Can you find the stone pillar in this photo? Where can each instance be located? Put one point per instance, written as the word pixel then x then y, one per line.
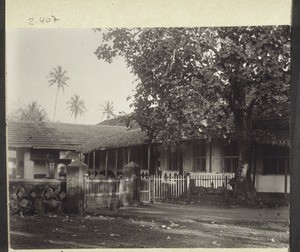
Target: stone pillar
pixel 131 183
pixel 75 182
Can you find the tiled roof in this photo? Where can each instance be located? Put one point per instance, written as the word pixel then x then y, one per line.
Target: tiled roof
pixel 63 136
pixel 118 140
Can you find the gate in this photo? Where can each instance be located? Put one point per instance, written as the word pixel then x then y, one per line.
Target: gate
pixel 145 191
pixel 168 187
pixel 100 193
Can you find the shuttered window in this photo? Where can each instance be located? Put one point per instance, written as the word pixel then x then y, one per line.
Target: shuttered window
pixel 276 159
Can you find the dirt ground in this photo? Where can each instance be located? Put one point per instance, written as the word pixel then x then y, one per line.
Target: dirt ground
pixel 155 226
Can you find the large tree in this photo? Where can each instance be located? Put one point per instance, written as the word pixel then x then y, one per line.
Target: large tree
pixel 32 112
pixel 205 82
pixel 58 77
pixel 76 106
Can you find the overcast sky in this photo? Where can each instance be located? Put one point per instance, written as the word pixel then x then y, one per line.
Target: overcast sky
pixel 33 53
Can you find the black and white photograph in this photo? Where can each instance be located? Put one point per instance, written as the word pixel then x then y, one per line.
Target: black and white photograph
pixel 148 137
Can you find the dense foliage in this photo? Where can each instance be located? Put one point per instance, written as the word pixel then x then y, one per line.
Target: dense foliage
pixel 32 112
pixel 211 82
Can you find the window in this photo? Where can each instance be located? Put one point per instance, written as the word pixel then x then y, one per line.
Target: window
pixel 200 157
pixel 276 159
pixel 231 157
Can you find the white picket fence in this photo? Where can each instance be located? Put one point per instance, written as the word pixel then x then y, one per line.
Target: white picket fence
pixel 160 188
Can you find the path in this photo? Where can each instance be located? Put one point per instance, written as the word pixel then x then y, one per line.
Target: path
pixel 158 225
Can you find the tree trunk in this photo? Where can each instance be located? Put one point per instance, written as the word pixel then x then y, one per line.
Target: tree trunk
pixel 244 185
pixel 55 104
pixel 243 127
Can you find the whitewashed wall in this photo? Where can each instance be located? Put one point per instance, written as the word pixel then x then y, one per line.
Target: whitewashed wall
pixel 271 183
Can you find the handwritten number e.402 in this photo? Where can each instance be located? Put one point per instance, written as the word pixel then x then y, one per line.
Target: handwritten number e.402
pixel 42 20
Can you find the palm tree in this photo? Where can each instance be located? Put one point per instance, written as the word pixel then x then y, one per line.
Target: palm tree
pixel 76 106
pixel 107 109
pixel 59 78
pixel 32 112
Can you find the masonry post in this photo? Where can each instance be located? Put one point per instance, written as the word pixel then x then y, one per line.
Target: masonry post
pixel 75 186
pixel 132 177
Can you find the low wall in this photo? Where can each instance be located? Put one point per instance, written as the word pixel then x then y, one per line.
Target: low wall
pixel 271 183
pixel 37 195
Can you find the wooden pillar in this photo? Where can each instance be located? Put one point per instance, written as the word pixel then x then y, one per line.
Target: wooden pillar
pixel 94 162
pixel 106 163
pixel 210 156
pixel 254 164
pixel 128 155
pixel 179 168
pixel 149 158
pixel 116 165
pixel 88 160
pixel 193 157
pixel 285 179
pixel 124 157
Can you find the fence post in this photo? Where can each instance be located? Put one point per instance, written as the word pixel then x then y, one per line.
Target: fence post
pixel 75 186
pixel 225 190
pixel 188 187
pixel 84 192
pixel 132 172
pixel 151 185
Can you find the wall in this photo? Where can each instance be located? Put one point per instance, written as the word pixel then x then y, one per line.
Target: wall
pixel 271 183
pixel 28 165
pixel 12 163
pixel 41 168
pixel 40 195
pixel 259 159
pixel 20 162
pixel 217 158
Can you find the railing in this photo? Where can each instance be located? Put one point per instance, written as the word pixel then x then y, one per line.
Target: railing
pixel 212 180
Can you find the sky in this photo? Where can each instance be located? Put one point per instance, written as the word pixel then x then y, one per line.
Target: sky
pixel 32 53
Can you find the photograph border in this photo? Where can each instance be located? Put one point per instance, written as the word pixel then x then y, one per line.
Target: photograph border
pixel 276 12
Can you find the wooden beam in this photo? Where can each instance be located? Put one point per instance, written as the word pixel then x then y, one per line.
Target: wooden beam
pixel 106 163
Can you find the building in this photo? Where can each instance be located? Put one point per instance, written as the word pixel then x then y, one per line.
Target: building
pixel 39 149
pixel 270 158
